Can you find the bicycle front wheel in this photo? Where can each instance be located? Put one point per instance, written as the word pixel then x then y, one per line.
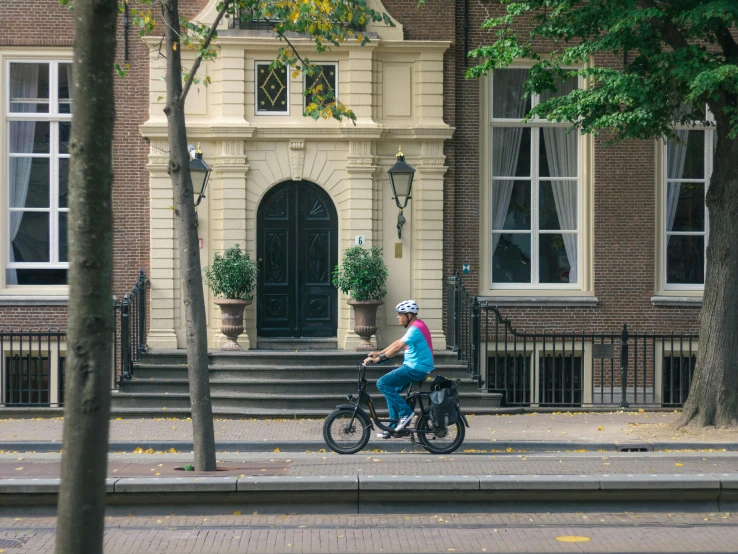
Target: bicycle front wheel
pixel 344 436
pixel 438 440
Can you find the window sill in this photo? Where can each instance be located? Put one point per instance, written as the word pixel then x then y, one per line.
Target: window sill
pixel 33 300
pixel 680 301
pixel 541 301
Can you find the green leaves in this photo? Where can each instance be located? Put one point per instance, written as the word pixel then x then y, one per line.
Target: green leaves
pixel 363 273
pixel 231 275
pixel 666 54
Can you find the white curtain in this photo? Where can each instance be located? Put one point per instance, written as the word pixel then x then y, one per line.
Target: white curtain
pixel 69 83
pixel 506 145
pixel 561 153
pixel 24 84
pixel 676 154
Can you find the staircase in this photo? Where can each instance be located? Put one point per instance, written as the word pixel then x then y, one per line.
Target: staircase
pixel 271 384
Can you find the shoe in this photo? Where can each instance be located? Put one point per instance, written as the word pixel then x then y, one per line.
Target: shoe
pixel 404 422
pixel 384 435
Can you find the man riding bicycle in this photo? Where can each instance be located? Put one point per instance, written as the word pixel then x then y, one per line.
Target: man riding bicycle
pixel 416 367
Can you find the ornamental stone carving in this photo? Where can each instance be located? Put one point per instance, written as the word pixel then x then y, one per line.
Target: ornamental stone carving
pixel 297 159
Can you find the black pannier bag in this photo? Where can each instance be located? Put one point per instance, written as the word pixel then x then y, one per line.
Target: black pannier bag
pixel 444 398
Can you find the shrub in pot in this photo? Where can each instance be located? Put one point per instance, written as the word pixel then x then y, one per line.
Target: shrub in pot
pixel 231 278
pixel 363 275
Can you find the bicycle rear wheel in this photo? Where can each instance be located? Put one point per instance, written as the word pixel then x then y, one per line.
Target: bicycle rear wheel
pixel 438 440
pixel 343 436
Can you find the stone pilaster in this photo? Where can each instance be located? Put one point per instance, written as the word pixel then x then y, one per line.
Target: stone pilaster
pixel 161 328
pixel 427 209
pixel 228 221
pixel 229 97
pixel 357 213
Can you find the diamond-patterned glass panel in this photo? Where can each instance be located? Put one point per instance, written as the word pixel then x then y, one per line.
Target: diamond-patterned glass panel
pixel 271 89
pixel 325 75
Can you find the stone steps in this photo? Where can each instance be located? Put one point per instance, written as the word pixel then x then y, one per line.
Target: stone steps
pixel 290 373
pixel 262 384
pixel 267 386
pixel 470 401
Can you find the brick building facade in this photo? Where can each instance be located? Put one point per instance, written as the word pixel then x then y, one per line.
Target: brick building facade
pixel 611 264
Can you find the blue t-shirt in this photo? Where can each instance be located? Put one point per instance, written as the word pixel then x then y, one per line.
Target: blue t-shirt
pixel 418 354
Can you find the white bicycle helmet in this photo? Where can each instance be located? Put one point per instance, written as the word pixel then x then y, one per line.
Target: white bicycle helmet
pixel 407 307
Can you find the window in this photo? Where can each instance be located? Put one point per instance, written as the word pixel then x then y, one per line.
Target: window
pixel 38 125
pixel 687 169
pixel 325 76
pixel 272 90
pixel 534 190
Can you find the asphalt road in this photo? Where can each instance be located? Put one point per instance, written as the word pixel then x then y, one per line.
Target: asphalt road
pixel 428 533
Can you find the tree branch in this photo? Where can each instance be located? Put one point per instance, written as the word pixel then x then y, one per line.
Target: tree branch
pixel 205 45
pixel 292 46
pixel 727 42
pixel 672 36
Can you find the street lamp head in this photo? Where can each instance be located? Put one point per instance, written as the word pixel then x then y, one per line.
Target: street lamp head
pixel 200 172
pixel 401 179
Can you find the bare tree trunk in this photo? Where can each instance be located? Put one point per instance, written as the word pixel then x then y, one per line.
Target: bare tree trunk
pixel 81 507
pixel 713 396
pixel 189 248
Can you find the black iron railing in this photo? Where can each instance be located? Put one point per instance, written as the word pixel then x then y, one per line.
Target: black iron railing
pixel 253 20
pixel 32 362
pixel 32 368
pixel 130 329
pixel 569 368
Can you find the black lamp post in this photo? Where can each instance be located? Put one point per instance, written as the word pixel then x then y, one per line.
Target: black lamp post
pixel 401 178
pixel 200 172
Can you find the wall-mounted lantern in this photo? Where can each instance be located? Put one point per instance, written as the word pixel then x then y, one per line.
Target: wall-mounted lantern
pixel 200 172
pixel 401 178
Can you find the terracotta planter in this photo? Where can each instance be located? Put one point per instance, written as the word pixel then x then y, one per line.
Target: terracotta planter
pixel 365 321
pixel 231 325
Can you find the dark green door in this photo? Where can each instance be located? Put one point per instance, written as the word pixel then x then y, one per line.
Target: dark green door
pixel 297 234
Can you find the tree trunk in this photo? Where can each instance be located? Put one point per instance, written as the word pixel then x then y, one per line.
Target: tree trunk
pixel 81 505
pixel 713 396
pixel 189 248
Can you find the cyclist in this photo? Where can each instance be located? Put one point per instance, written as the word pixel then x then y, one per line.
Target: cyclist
pixel 416 367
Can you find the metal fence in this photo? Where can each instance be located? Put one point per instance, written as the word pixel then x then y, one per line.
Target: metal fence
pixel 563 368
pixel 32 362
pixel 129 342
pixel 32 367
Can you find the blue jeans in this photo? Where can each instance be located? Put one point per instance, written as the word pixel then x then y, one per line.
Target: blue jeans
pixel 391 384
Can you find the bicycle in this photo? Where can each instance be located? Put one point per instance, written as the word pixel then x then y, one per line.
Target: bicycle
pixel 347 429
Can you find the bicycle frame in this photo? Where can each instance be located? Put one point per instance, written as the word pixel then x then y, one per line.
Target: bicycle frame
pixel 365 398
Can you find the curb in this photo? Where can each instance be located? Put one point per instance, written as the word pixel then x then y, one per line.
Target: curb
pixel 470 446
pixel 367 493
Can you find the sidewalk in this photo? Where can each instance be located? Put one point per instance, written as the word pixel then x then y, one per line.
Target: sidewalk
pixel 534 431
pixel 286 483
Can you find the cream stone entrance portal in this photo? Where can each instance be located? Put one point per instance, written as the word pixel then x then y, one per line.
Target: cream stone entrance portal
pixel 297 249
pixel 395 88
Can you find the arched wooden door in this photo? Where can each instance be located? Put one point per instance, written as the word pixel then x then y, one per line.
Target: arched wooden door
pixel 297 249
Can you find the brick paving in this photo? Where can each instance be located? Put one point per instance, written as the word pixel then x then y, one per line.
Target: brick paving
pixel 318 463
pixel 521 532
pixel 565 427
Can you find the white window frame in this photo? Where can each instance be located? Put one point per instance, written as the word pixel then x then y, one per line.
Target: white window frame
pixel 304 82
pixel 490 123
pixel 54 118
pixel 256 90
pixel 662 232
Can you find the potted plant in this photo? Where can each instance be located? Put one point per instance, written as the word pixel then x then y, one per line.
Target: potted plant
pixel 363 276
pixel 231 278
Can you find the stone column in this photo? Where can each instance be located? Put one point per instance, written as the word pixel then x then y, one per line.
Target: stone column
pixel 427 221
pixel 161 328
pixel 356 212
pixel 228 219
